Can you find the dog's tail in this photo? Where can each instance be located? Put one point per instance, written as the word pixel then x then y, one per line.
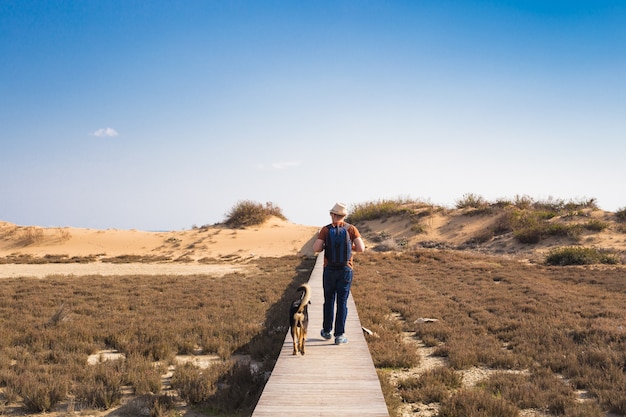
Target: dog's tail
pixel 306 296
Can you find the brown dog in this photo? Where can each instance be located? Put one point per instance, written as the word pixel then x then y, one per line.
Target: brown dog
pixel 299 318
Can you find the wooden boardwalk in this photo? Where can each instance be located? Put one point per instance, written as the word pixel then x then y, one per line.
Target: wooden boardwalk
pixel 329 380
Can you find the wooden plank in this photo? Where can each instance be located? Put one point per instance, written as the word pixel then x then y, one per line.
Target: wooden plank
pixel 329 380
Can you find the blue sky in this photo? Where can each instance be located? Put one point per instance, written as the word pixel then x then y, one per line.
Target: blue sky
pixel 163 115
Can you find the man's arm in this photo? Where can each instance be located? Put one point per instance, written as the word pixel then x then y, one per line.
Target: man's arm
pixel 318 246
pixel 359 245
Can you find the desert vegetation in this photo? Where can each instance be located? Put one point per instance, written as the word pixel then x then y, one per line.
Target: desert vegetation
pixel 548 337
pixel 251 213
pixel 50 327
pixel 525 220
pixel 552 338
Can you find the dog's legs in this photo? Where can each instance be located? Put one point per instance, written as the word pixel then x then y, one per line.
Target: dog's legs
pixel 302 339
pixel 296 333
pixel 294 336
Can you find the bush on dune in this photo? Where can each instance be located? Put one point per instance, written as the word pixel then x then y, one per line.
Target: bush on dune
pixel 250 213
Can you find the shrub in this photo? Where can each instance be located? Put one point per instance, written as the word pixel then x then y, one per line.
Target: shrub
pixel 532 227
pixel 540 389
pixel 590 203
pixel 476 403
pixel 249 213
pixel 523 202
pixel 621 214
pixel 41 392
pixel 550 205
pixel 101 386
pixel 381 209
pixel 239 388
pixel 142 375
pixel 596 225
pixel 193 385
pixel 389 350
pixel 471 201
pixel 577 255
pixel 432 386
pixel 529 235
pixel 150 405
pixel 31 235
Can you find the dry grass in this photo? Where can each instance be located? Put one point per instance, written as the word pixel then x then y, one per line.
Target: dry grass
pixel 562 327
pixel 49 327
pixel 544 331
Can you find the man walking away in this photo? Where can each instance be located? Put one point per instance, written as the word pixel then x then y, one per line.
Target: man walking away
pixel 338 240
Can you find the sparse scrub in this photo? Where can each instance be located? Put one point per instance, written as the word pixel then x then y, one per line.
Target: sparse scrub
pixel 503 315
pixel 143 375
pixel 620 214
pixel 503 203
pixel 503 223
pixel 382 209
pixel 41 391
pixel 432 386
pixel 540 389
pixel 476 403
pixel 197 386
pixel 481 236
pixel 193 385
pixel 578 255
pixel 596 225
pixel 101 386
pixel 163 405
pixel 523 202
pixel 31 235
pixel 64 234
pixel 46 259
pixel 246 387
pixel 50 326
pixel 531 227
pixel 250 213
pixel 471 200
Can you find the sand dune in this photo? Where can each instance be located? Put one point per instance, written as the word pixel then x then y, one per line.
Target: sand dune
pixel 274 238
pixel 209 250
pixel 218 249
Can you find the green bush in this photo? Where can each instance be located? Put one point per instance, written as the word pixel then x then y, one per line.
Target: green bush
pixel 381 209
pixel 578 255
pixel 533 226
pixel 471 200
pixel 596 225
pixel 250 213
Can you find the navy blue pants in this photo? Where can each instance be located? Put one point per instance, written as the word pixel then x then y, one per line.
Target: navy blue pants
pixel 337 283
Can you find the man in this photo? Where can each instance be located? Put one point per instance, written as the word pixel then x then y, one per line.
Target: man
pixel 337 277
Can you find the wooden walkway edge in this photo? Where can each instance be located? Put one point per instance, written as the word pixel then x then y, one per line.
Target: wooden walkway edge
pixel 329 380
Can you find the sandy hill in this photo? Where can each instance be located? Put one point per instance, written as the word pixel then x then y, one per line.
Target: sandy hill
pixel 274 238
pixel 462 229
pixel 488 231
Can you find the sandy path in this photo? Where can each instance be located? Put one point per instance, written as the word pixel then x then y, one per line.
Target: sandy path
pixel 43 270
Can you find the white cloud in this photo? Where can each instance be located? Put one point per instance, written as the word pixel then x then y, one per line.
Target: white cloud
pixel 285 165
pixel 109 131
pixel 279 165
